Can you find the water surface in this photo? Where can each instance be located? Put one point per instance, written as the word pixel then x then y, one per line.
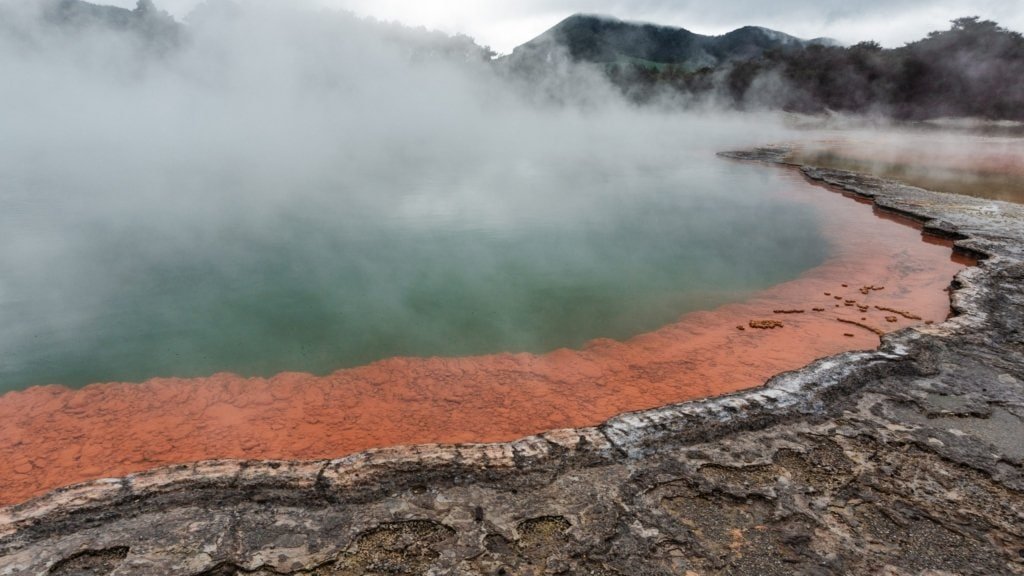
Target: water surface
pixel 527 256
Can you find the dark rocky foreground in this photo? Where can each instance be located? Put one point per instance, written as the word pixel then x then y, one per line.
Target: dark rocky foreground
pixel 906 460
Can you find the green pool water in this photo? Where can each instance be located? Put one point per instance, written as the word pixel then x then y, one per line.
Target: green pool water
pixel 529 256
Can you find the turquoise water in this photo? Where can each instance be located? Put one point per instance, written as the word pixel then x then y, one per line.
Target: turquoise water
pixel 512 258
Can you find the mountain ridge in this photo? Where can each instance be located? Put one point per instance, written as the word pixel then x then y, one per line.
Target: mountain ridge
pixel 603 39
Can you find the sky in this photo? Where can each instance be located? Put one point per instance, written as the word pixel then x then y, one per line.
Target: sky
pixel 504 24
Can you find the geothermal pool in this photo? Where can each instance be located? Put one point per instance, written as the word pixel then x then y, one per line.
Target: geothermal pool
pixel 521 258
pixel 655 280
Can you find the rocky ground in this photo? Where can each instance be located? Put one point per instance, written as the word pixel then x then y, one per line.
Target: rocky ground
pixel 906 460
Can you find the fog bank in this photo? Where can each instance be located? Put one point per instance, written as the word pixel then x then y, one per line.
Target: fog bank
pixel 268 126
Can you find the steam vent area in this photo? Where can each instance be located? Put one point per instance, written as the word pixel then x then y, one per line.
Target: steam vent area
pixel 881 275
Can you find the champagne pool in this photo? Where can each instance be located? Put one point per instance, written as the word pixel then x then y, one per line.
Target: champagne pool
pixel 529 257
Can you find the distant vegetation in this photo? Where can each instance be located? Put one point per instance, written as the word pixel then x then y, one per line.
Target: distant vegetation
pixel 974 69
pixel 155 27
pixel 156 31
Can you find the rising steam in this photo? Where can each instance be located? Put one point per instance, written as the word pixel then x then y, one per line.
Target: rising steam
pixel 239 160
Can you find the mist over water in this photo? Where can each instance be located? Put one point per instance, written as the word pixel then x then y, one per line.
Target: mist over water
pixel 300 190
pixel 969 161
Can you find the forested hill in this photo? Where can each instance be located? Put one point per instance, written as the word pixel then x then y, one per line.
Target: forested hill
pixel 607 40
pixel 974 69
pixel 148 23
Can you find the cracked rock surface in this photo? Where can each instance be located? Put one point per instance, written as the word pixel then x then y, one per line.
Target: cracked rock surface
pixel 908 460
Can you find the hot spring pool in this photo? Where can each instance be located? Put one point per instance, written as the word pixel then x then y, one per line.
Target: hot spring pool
pixel 525 257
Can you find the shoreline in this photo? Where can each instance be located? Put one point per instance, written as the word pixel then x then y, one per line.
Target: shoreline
pixel 812 468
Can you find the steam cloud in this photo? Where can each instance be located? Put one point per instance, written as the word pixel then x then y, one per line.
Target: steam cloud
pixel 275 124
